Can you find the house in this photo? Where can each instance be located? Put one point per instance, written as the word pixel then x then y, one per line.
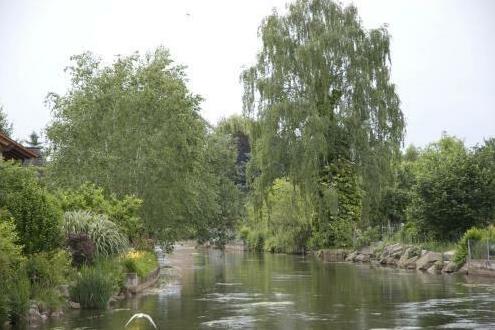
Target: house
pixel 10 149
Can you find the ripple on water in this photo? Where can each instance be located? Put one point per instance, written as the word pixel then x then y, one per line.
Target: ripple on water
pixel 228 284
pixel 454 312
pixel 229 297
pixel 231 322
pixel 289 277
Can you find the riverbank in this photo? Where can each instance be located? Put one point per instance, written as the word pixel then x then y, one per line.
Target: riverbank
pixel 407 256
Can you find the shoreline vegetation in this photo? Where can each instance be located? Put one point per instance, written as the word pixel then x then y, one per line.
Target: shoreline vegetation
pixel 316 161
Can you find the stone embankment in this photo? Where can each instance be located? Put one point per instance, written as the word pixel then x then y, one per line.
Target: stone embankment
pixel 407 257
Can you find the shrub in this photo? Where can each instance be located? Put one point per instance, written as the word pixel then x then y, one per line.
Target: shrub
pixel 10 263
pixel 124 212
pixel 82 249
pixel 140 262
pixel 49 299
pixel 105 235
pixel 454 190
pixel 256 240
pixel 366 237
pixel 93 288
pixel 35 214
pixel 473 234
pixel 48 269
pixel 19 299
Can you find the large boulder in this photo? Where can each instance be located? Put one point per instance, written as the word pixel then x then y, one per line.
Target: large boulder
pixel 463 269
pixel 450 267
pixel 362 258
pixel 351 256
pixel 389 261
pixel 436 268
pixel 409 257
pixel 74 305
pixel 449 255
pixel 393 250
pixel 427 260
pixel 408 263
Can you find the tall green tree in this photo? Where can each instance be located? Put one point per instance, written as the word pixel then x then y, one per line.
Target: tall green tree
pixel 238 127
pixel 134 128
pixel 221 177
pixel 34 140
pixel 454 189
pixel 322 97
pixel 5 127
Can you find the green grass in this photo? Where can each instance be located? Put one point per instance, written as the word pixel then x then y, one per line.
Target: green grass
pixel 438 246
pixel 93 288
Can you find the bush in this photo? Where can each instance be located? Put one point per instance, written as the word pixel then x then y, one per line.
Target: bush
pixel 256 240
pixel 105 235
pixel 82 249
pixel 366 237
pixel 124 212
pixel 19 299
pixel 140 262
pixel 48 269
pixel 473 234
pixel 10 263
pixel 35 214
pixel 93 288
pixel 454 190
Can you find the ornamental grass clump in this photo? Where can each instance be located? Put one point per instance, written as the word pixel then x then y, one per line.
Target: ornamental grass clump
pixel 106 236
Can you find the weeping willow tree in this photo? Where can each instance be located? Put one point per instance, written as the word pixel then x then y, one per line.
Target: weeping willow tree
pixel 325 108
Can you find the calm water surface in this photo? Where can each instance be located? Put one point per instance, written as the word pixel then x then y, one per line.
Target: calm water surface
pixel 228 290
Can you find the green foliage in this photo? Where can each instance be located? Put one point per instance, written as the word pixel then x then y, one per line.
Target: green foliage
pixel 103 233
pixel 283 224
pixel 255 240
pixel 5 127
pixel 410 233
pixel 321 94
pixel 124 212
pixel 140 262
pixel 49 299
pixel 366 237
pixel 225 202
pixel 35 213
pixel 93 288
pixel 238 128
pixel 454 190
pixel 473 234
pixel 133 128
pixel 47 270
pixel 10 263
pixel 19 299
pixel 34 140
pixel 340 207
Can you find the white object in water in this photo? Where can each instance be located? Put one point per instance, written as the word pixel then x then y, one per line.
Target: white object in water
pixel 140 316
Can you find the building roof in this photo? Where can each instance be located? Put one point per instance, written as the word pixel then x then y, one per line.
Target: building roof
pixel 10 149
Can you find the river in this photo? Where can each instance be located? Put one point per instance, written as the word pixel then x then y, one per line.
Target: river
pixel 234 289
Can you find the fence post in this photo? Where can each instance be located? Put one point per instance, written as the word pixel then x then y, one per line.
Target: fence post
pixel 469 253
pixel 488 249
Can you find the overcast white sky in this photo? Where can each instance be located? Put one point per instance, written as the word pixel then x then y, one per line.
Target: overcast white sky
pixel 443 53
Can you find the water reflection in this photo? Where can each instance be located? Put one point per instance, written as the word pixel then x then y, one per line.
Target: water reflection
pixel 220 290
